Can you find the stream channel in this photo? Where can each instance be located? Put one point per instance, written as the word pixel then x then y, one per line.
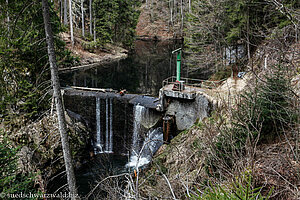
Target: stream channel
pixel 117 125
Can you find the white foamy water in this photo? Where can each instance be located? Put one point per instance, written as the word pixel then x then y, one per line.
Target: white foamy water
pixel 137 162
pixel 150 145
pixel 110 147
pixel 98 126
pixel 138 112
pixel 107 126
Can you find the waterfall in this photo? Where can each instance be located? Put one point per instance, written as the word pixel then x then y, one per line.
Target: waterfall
pixel 141 132
pixel 108 126
pixel 106 123
pixel 138 112
pixel 111 127
pixel 154 139
pixel 98 122
pixel 151 144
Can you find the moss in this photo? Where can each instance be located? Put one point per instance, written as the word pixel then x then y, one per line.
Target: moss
pixel 196 145
pixel 180 136
pixel 152 180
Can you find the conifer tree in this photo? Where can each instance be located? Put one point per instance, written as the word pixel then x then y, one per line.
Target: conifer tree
pixel 23 78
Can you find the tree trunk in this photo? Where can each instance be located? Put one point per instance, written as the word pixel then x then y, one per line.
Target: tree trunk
pixel 61 11
pixel 151 13
pixel 94 28
pixel 58 100
pixel 171 12
pixel 248 38
pixel 71 22
pixel 8 20
pixel 65 13
pixel 175 10
pixel 181 12
pixel 190 6
pixel 91 25
pixel 82 17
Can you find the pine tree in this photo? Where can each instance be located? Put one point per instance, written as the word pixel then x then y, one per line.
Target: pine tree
pixel 23 78
pixel 116 20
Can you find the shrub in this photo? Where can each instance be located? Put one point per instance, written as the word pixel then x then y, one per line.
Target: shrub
pixel 262 113
pixel 267 110
pixel 240 189
pixel 11 181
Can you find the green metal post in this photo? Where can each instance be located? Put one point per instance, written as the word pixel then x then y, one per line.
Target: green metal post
pixel 178 65
pixel 178 51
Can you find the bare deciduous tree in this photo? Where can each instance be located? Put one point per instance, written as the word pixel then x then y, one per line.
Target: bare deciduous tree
pixel 91 18
pixel 71 22
pixel 82 17
pixel 58 100
pixel 65 13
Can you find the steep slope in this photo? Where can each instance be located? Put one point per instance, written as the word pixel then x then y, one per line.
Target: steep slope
pixel 186 165
pixel 155 21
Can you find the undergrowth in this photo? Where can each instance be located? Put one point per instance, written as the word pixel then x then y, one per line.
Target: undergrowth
pixel 240 189
pixel 260 115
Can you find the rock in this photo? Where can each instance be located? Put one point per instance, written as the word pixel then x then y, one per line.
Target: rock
pixel 41 147
pixel 296 84
pixel 188 112
pixel 25 159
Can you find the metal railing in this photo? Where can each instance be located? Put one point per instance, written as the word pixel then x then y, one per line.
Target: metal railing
pixel 193 82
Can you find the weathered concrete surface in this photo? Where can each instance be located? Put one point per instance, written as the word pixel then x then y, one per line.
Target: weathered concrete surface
pixel 188 92
pixel 116 115
pixel 146 101
pixel 187 112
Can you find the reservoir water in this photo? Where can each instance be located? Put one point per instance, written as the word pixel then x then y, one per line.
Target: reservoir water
pixel 142 72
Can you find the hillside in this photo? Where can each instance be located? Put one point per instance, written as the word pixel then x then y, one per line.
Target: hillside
pixel 159 20
pixel 183 168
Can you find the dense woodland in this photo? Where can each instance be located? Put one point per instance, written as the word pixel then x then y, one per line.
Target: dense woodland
pixel 227 156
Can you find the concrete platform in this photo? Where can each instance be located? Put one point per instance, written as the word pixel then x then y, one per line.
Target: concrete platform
pixel 189 92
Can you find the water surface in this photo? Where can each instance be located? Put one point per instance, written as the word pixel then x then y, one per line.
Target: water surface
pixel 142 72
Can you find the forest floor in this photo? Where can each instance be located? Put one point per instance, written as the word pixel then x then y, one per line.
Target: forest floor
pixel 153 24
pixel 92 55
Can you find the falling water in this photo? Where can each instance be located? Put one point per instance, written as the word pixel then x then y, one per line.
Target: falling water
pixel 138 112
pixel 111 127
pixel 151 144
pixel 98 122
pixel 142 156
pixel 106 132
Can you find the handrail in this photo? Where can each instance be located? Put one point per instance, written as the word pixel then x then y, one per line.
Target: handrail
pixel 193 82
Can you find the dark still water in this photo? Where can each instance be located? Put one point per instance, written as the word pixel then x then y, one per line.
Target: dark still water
pixel 100 167
pixel 142 72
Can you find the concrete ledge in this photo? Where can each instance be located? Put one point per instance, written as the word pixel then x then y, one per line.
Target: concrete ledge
pixel 178 94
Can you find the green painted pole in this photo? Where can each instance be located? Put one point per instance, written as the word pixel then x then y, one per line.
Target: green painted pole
pixel 178 65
